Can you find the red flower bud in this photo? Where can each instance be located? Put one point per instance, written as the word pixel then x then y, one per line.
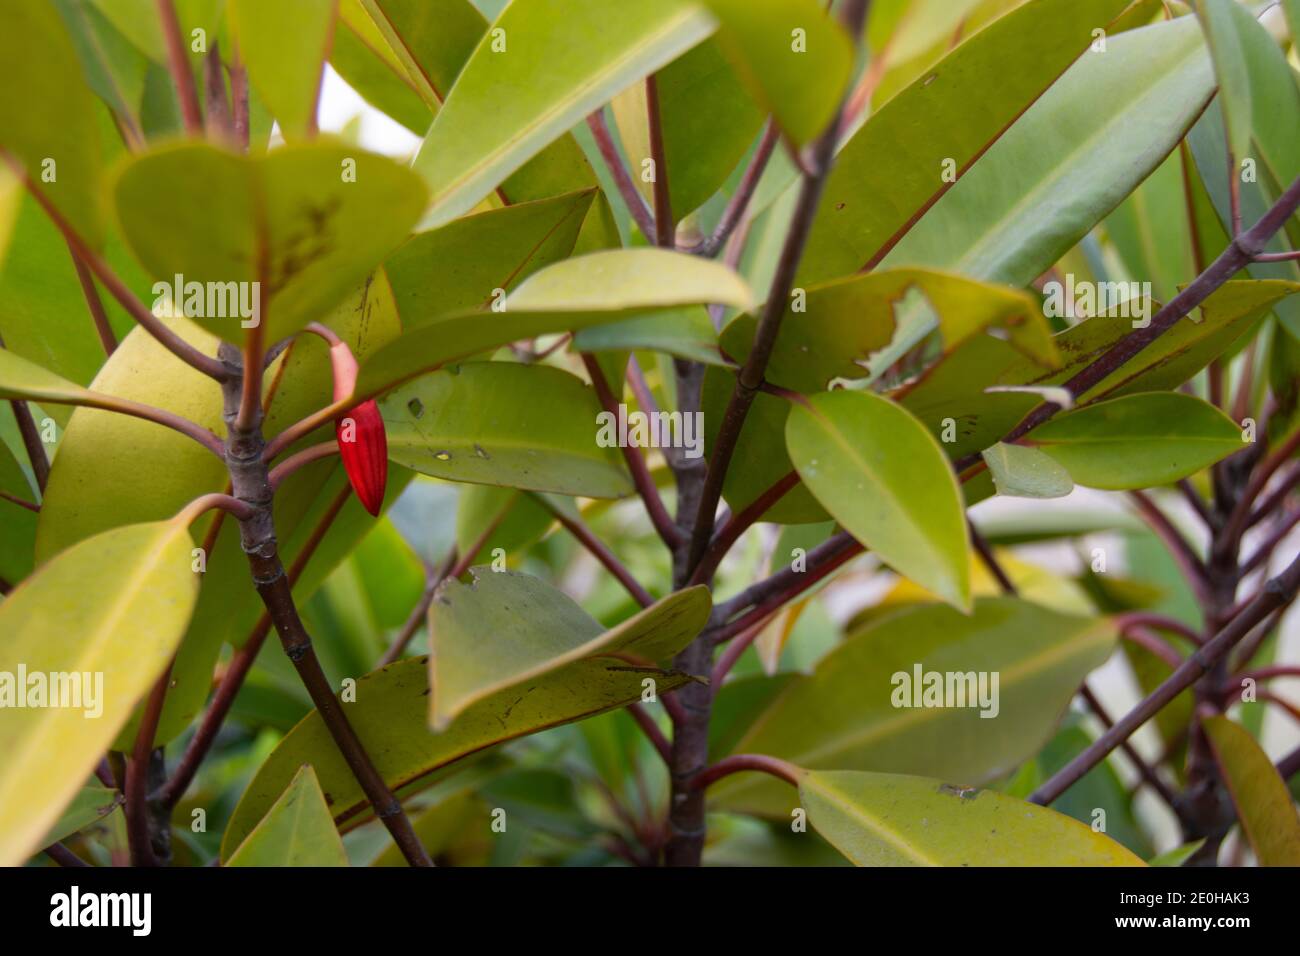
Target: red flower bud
pixel 363 444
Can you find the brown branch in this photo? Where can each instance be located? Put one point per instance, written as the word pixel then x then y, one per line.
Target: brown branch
pixel 1144 769
pixel 641 478
pixel 187 353
pixel 739 523
pixel 31 436
pixel 738 762
pixel 177 62
pixel 301 459
pixel 1240 253
pixel 599 551
pixel 738 205
pixel 243 659
pixel 1278 593
pixel 142 818
pixel 1188 560
pixel 651 730
pixel 665 234
pixel 750 377
pixel 96 306
pixel 622 178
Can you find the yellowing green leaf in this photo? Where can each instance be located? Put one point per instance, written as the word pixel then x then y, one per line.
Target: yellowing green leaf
pixel 504 629
pixel 878 819
pixel 885 479
pixel 134 592
pixel 1263 802
pixel 297 831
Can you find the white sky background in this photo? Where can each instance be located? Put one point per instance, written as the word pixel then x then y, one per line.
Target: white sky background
pixel 340 104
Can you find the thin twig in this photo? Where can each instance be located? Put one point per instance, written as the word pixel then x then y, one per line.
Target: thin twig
pixel 739 523
pixel 599 551
pixel 96 306
pixel 738 205
pixel 1278 593
pixel 641 478
pixel 651 730
pixel 664 232
pixel 632 197
pixel 301 459
pixel 725 767
pixel 178 63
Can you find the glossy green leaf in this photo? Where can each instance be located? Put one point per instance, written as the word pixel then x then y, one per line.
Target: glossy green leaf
pixel 361 56
pixel 1263 803
pixel 391 716
pixel 1139 440
pixel 1178 855
pixel 47 114
pixel 135 592
pixel 878 819
pixel 284 46
pixel 792 54
pixel 499 423
pixel 562 59
pixel 468 263
pixel 890 171
pixel 885 479
pixel 297 831
pixel 1047 181
pixel 588 290
pixel 505 629
pixel 1023 472
pixel 843 715
pixel 308 223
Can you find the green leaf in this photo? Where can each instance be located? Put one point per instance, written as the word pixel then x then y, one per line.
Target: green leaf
pixel 588 290
pixel 792 54
pixel 17 544
pixel 90 805
pixel 878 819
pixel 284 46
pixel 1178 855
pixel 833 329
pixel 708 122
pixel 885 479
pixel 890 171
pixel 297 831
pixel 561 59
pixel 684 333
pixel 499 423
pixel 138 21
pixel 47 115
pixel 504 629
pixel 391 716
pixel 464 265
pixel 1139 440
pixel 1225 23
pixel 21 379
pixel 1021 472
pixel 843 715
pixel 1263 803
pixel 1065 164
pixel 955 387
pixel 362 57
pixel 101 450
pixel 134 594
pixel 308 223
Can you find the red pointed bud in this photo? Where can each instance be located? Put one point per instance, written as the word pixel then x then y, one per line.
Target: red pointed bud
pixel 363 444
